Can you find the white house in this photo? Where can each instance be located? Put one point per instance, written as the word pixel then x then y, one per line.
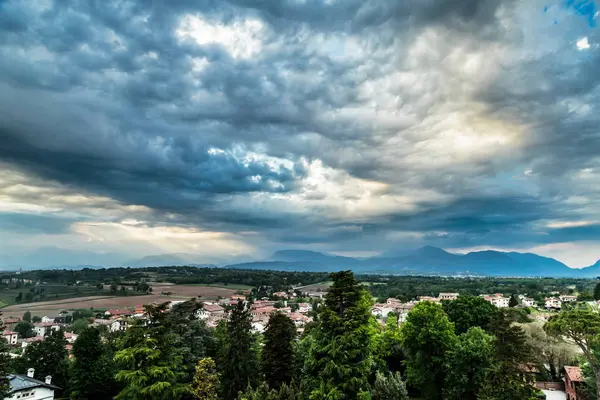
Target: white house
pixel 47 319
pixel 553 302
pixel 209 310
pixel 11 337
pixel 303 308
pixel 42 328
pixel 118 325
pixel 448 296
pixel 500 302
pixel 26 342
pixel 258 326
pixel 381 310
pixel 528 302
pixel 497 299
pixel 568 299
pixel 27 387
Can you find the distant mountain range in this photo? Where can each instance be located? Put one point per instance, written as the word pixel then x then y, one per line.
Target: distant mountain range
pixel 426 260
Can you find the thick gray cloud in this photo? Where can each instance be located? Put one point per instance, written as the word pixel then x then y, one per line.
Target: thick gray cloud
pixel 337 125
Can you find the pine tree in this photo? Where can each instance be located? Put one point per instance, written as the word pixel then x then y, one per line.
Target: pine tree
pixel 340 361
pixel 277 359
pixel 238 360
pixel 206 381
pixel 513 302
pixel 427 336
pixel 150 369
pixel 93 369
pixel 4 365
pixel 390 387
pixel 263 392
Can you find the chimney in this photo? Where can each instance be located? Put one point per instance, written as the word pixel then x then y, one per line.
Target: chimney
pixel 48 380
pixel 30 372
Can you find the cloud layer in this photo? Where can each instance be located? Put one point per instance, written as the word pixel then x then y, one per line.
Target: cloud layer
pixel 232 128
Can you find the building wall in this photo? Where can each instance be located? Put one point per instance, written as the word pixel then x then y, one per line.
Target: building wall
pixel 38 394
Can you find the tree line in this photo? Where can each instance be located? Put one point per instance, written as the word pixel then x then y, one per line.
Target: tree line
pixel 461 349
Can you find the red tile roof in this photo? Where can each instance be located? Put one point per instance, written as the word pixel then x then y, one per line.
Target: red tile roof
pixel 574 374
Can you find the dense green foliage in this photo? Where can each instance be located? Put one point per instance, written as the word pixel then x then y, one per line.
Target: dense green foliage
pixel 4 365
pixel 340 362
pixel 389 387
pixel 93 369
pixel 149 365
pixel 277 360
pixel 238 358
pixel 461 349
pixel 468 365
pixel 469 311
pixel 48 358
pixel 205 385
pixel 427 336
pixel 582 326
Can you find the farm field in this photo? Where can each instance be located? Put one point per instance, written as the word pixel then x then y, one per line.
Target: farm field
pixel 178 292
pixel 316 287
pixel 234 286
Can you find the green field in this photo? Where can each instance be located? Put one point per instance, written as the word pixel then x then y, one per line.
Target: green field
pixel 234 286
pixel 52 292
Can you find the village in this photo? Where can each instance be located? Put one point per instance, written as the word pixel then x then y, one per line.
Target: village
pixel 296 304
pixel 212 312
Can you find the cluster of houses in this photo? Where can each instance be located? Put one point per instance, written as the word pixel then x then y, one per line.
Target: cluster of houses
pixel 401 309
pixel 213 312
pixel 555 303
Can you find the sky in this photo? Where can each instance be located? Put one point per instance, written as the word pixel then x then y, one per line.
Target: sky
pixel 229 129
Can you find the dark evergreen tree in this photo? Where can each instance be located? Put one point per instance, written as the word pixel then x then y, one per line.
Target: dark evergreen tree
pixel 513 302
pixel 469 311
pixel 150 368
pixel 238 358
pixel 340 362
pixel 27 316
pixel 507 378
pixel 597 292
pixel 24 329
pixel 93 368
pixel 277 360
pixel 4 365
pixel 192 339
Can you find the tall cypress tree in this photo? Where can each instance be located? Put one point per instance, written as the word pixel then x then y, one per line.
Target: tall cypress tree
pixel 238 360
pixel 340 362
pixel 278 352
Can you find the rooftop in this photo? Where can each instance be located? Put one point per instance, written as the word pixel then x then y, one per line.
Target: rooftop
pixel 574 374
pixel 23 382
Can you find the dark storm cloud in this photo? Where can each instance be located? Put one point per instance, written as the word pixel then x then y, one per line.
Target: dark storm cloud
pixel 105 97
